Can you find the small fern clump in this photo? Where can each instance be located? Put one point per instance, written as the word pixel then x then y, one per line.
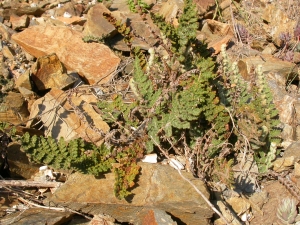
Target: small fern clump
pixel 254 113
pixel 87 158
pixel 75 155
pixel 132 5
pixel 117 110
pixel 127 169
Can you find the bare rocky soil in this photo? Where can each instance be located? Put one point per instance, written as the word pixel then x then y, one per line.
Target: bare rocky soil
pixel 43 54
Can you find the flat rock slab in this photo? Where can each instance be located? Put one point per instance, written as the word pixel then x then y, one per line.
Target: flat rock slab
pixel 94 61
pixel 39 216
pixel 159 186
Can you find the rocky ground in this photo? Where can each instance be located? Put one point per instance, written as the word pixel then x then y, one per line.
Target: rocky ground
pixel 49 47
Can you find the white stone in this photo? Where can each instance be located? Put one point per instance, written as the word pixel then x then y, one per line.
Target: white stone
pixel 151 158
pixel 67 15
pixel 43 168
pixel 176 164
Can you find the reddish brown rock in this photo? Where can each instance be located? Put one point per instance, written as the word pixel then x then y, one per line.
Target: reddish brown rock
pixel 79 9
pixel 286 108
pixel 296 58
pixel 94 61
pixel 120 5
pixel 48 72
pixel 170 8
pixel 19 22
pixel 101 219
pixel 22 8
pixel 19 165
pixel 16 108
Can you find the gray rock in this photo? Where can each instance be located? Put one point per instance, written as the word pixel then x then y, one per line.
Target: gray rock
pixel 293 150
pixel 97 25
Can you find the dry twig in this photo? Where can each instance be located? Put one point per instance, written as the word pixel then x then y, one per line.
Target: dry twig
pixel 24 183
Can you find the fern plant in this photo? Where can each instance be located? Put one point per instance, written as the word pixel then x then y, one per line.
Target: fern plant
pixel 138 3
pixel 182 37
pixel 75 155
pixel 176 99
pixel 127 168
pixel 222 171
pixel 86 158
pixel 253 111
pixel 180 106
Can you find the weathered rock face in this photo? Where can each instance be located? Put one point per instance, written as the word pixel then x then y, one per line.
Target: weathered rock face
pixel 96 24
pixel 60 119
pixel 170 8
pixel 286 109
pixel 279 22
pixel 18 163
pixel 20 9
pixel 24 81
pixel 19 22
pixel 204 5
pixel 6 32
pixel 159 186
pixel 156 216
pixel 13 109
pixel 215 34
pixel 94 61
pixel 8 52
pixel 120 5
pixel 40 216
pixel 68 8
pixel 269 64
pixel 139 26
pixel 48 72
